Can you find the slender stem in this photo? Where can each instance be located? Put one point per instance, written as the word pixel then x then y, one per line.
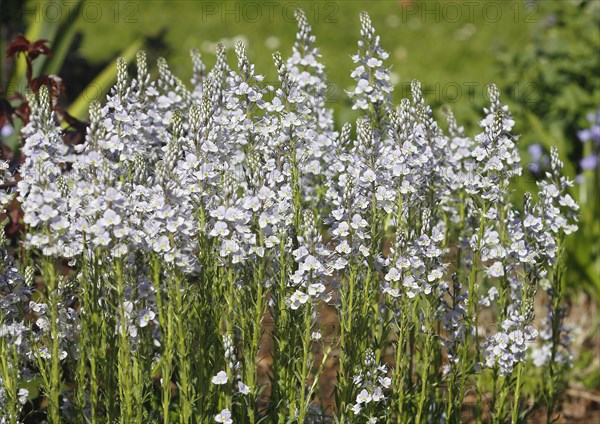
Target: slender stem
pixel 124 363
pixel 346 337
pixel 426 360
pixel 399 375
pixel 556 321
pixel 471 310
pixel 304 402
pixel 259 312
pixel 229 327
pixel 515 409
pixel 182 350
pixel 55 369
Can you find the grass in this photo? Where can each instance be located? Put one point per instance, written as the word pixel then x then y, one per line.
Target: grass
pixel 451 46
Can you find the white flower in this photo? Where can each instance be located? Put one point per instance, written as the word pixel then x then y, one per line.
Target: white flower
pixel 229 247
pixel 47 213
pixel 341 230
pixel 364 397
pixel 224 417
pixel 385 382
pixel 374 63
pixel 23 394
pixel 343 247
pixel 220 378
pixel 403 263
pixel 364 250
pixel 378 394
pixel 568 201
pixel 243 389
pixel 163 244
pixel 496 270
pixel 102 239
pixel 358 222
pixel 392 292
pixel 392 275
pixel 110 217
pixel 297 299
pixel 552 191
pixel 146 316
pixel 220 229
pixel 436 274
pixel 316 289
pixel 368 176
pixel 42 323
pixel 311 264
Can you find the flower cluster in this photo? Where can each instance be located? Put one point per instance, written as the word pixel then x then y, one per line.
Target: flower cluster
pixel 15 328
pixel 206 225
pixel 372 380
pixel 509 346
pixel 373 86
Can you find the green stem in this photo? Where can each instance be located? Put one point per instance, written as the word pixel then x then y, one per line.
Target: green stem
pixel 124 369
pixel 471 311
pixel 346 332
pixel 182 351
pixel 259 312
pixel 557 295
pixel 229 327
pixel 304 402
pixel 515 409
pixel 55 369
pixel 425 372
pixel 399 375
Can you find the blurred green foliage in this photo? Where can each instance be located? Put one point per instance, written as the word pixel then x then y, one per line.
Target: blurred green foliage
pixel 561 65
pixel 452 47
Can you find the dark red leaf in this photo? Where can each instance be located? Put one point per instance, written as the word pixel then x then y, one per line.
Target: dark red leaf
pixel 22 45
pixel 39 47
pixel 55 85
pixel 23 111
pixel 6 112
pixel 76 132
pixel 19 45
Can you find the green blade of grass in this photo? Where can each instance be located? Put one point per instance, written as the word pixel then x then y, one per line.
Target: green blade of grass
pixel 63 40
pixel 102 83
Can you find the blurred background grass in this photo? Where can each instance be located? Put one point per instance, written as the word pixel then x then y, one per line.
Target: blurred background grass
pixel 544 55
pixel 452 46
